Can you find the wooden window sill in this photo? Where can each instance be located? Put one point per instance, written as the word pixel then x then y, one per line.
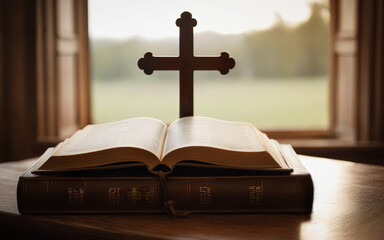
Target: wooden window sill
pixel 356 151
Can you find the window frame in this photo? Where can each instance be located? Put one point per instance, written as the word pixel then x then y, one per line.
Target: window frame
pixel 327 133
pixel 62 75
pixel 333 132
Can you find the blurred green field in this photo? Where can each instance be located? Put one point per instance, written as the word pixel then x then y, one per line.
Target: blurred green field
pixel 267 103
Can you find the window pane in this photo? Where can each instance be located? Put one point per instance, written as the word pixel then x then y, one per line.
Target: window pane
pixel 280 47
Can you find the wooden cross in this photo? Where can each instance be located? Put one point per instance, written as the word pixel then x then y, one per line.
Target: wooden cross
pixel 186 63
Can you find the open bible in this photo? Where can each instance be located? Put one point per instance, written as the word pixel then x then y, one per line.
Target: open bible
pixel 190 141
pixel 141 165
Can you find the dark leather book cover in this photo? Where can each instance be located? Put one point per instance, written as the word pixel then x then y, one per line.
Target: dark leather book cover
pixel 136 190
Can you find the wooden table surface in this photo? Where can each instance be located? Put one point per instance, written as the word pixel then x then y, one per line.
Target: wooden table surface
pixel 348 204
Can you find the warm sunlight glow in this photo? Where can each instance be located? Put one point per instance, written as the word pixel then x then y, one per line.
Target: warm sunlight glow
pixel 293 11
pixel 150 19
pixel 280 48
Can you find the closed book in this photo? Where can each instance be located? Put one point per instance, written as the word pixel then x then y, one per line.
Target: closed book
pixel 191 188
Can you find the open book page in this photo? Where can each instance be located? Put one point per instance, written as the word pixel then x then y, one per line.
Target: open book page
pixel 129 141
pixel 145 133
pixel 204 131
pixel 272 147
pixel 217 142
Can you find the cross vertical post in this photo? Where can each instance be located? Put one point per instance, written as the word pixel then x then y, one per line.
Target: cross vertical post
pixel 186 24
pixel 186 63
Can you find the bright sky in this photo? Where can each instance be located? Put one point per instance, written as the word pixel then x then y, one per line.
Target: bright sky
pixel 155 19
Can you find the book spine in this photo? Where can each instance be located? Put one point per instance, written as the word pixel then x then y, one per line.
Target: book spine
pixel 127 195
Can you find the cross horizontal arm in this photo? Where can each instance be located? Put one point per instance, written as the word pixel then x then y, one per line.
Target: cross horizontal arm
pixel 150 63
pixel 222 63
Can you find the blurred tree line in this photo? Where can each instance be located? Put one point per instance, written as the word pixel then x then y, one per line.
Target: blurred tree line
pixel 282 51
